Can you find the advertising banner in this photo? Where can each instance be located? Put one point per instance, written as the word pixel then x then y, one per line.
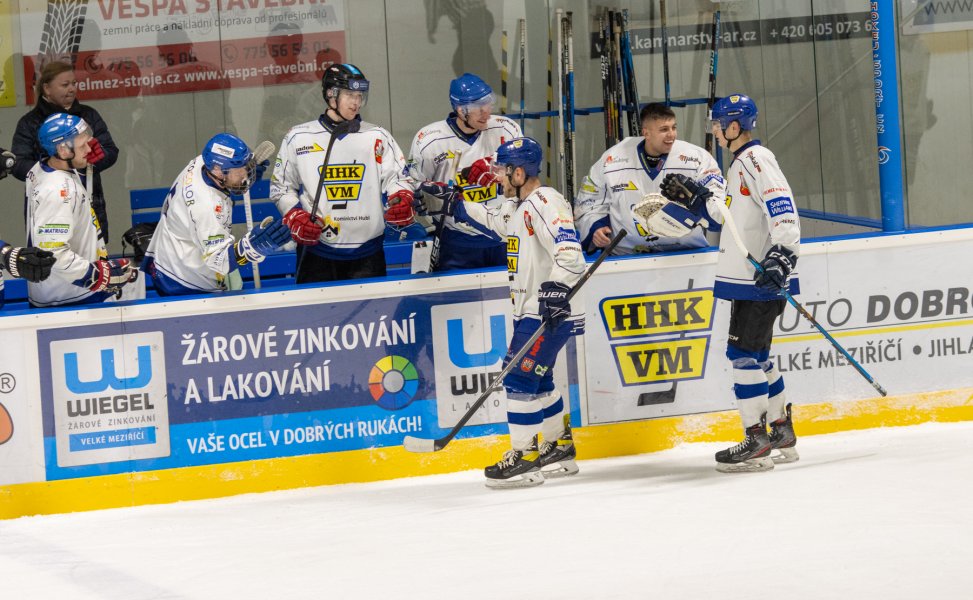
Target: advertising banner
pixel 123 48
pixel 8 92
pixel 203 389
pixel 935 16
pixel 656 346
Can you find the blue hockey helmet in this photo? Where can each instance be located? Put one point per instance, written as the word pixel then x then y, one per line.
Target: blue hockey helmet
pixel 522 152
pixel 60 128
pixel 467 90
pixel 735 107
pixel 227 151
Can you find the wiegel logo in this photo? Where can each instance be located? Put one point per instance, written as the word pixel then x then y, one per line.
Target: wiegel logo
pixel 109 399
pixel 469 344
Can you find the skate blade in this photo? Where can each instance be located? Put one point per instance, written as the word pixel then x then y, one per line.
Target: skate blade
pixel 531 479
pixel 754 465
pixel 565 468
pixel 782 456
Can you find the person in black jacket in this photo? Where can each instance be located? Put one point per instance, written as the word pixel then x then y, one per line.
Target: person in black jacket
pixel 57 93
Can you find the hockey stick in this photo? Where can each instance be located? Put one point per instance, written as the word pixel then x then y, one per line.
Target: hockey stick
pixel 339 130
pixel 263 151
pixel 523 69
pixel 605 93
pixel 728 222
pixel 503 72
pixel 665 50
pixel 559 17
pixel 569 154
pixel 550 98
pixel 634 127
pixel 414 444
pixel 437 240
pixel 712 77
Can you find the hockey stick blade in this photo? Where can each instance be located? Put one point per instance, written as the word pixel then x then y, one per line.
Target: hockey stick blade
pixel 413 444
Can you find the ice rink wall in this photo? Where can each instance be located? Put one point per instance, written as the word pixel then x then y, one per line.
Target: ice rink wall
pixel 175 400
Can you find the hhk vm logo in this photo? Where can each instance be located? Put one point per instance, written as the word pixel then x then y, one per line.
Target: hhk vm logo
pixel 667 314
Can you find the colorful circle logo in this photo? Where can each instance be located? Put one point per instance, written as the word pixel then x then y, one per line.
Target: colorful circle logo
pixel 393 382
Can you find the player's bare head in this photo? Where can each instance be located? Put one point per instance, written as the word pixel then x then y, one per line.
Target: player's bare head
pixel 229 163
pixel 658 128
pixel 345 90
pixel 56 84
pixel 472 101
pixel 65 137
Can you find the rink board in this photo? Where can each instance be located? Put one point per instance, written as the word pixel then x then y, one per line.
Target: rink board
pixel 167 401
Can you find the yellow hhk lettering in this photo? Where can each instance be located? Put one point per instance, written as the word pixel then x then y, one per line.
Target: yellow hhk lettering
pixel 513 245
pixel 345 172
pixel 660 313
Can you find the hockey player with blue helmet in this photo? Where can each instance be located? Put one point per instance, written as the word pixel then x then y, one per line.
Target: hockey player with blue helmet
pixel 762 205
pixel 459 149
pixel 193 250
pixel 60 219
pixel 544 261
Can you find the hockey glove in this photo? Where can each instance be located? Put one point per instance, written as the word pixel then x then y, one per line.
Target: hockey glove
pixel 775 268
pixel 305 230
pixel 31 264
pixel 450 195
pixel 553 300
pixel 401 211
pixel 263 239
pixel 7 162
pixel 686 191
pixel 96 153
pixel 109 275
pixel 479 173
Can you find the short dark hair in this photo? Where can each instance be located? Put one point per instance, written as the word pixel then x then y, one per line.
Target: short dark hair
pixel 48 73
pixel 655 110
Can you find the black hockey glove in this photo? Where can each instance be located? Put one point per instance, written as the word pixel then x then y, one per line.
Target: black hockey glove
pixel 449 194
pixel 776 267
pixel 31 264
pixel 553 301
pixel 7 162
pixel 686 191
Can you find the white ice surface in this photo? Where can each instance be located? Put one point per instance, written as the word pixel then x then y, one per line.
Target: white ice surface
pixel 878 514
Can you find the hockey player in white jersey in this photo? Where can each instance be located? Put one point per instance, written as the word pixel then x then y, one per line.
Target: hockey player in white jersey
pixel 60 219
pixel 458 147
pixel 544 260
pixel 634 168
pixel 193 250
pixel 343 238
pixel 762 206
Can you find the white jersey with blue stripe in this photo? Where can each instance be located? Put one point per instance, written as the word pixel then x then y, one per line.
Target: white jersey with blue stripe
pixel 192 243
pixel 542 245
pixel 762 206
pixel 440 151
pixel 60 219
pixel 619 180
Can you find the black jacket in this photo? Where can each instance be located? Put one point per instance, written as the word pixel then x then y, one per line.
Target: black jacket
pixel 28 150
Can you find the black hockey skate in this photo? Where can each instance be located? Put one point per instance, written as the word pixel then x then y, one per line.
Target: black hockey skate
pixel 783 439
pixel 516 469
pixel 557 457
pixel 752 454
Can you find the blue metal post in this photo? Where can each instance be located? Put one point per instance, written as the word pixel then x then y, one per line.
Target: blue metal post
pixel 887 116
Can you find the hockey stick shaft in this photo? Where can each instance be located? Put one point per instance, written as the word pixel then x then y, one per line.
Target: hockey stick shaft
pixel 633 88
pixel 339 130
pixel 523 70
pixel 570 156
pixel 665 50
pixel 503 72
pixel 437 236
pixel 735 234
pixel 550 98
pixel 559 17
pixel 414 444
pixel 713 58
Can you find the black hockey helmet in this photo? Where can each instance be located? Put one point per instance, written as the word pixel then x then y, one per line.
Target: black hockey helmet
pixel 343 77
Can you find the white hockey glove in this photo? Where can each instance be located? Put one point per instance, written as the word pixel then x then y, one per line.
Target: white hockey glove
pixel 657 216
